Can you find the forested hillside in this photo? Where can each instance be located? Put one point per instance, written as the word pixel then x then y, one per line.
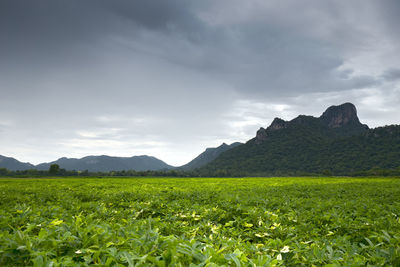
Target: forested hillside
pixel 335 143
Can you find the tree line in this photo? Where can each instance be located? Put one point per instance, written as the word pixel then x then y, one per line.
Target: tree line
pixel 55 171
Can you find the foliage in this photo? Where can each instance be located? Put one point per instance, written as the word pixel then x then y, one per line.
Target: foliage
pixel 203 222
pixel 54 169
pixel 305 149
pixel 62 172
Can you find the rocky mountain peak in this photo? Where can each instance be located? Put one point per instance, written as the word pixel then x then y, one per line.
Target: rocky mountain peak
pixel 261 135
pixel 338 116
pixel 277 124
pixel 339 120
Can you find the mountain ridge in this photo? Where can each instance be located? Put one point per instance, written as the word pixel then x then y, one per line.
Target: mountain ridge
pixel 336 142
pixel 13 164
pixel 207 156
pixel 102 163
pixel 342 119
pixel 105 163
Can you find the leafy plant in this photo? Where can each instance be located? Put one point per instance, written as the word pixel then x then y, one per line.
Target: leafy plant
pixel 200 222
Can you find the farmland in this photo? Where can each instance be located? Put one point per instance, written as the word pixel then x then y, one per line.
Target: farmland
pixel 200 221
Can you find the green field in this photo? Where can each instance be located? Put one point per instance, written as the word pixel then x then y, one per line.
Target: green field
pixel 204 222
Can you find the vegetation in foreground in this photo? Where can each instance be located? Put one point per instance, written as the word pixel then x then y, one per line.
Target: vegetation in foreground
pixel 205 222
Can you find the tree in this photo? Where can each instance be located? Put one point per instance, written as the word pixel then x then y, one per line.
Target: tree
pixel 3 171
pixel 54 169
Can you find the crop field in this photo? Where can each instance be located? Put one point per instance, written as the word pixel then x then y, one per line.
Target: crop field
pixel 200 222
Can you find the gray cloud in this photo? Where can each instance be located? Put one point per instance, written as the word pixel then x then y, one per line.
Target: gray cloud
pixel 391 74
pixel 169 78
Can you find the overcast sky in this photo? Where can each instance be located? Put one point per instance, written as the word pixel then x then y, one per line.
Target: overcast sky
pixel 170 78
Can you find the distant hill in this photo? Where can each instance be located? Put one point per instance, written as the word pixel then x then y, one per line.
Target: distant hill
pixel 92 164
pixel 207 156
pixel 107 163
pixel 335 143
pixel 13 164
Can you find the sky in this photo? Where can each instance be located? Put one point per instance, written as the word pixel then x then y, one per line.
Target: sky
pixel 171 78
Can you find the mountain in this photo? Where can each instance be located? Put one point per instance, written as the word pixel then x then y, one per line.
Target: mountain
pixel 336 142
pixel 336 121
pixel 208 155
pixel 107 163
pixel 13 164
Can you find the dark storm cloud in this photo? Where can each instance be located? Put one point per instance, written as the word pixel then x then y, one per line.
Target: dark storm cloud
pixel 175 15
pixel 64 22
pixel 263 51
pixel 47 34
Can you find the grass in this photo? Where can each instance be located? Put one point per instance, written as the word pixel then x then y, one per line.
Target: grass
pixel 200 221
